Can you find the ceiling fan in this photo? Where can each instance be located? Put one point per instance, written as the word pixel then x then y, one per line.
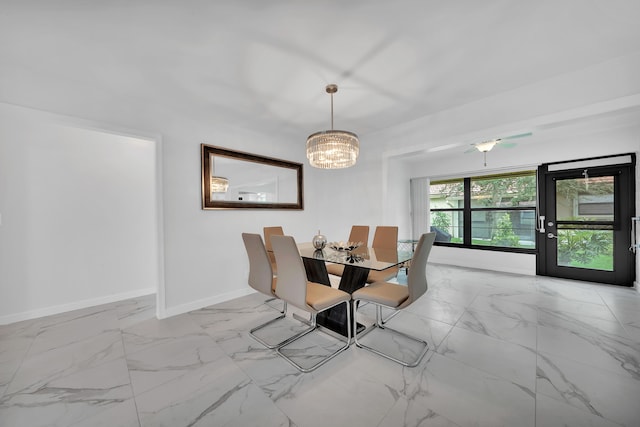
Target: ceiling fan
pixel 485 146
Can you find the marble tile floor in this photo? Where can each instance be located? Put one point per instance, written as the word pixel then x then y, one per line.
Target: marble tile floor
pixel 505 350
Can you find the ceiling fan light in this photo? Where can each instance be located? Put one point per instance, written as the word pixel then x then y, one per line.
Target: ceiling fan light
pixel 483 147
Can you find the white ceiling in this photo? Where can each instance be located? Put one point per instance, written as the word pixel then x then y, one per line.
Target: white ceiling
pixel 264 64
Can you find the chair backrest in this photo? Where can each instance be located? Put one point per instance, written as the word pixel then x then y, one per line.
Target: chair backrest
pixel 385 237
pixel 268 232
pixel 271 231
pixel 417 280
pixel 292 277
pixel 360 233
pixel 260 271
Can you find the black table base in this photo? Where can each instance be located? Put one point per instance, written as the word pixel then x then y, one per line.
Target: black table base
pixel 353 278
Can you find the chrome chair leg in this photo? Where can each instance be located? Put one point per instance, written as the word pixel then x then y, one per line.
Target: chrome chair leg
pixel 259 327
pixel 393 314
pixel 380 323
pixel 268 300
pixel 313 326
pixel 389 317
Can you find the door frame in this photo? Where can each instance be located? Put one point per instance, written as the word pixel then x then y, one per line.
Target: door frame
pixel 624 261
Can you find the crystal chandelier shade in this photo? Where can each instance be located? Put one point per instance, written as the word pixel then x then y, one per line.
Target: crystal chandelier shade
pixel 219 184
pixel 333 149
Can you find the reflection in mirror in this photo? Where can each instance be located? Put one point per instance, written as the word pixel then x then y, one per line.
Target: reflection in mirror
pixel 233 179
pixel 253 182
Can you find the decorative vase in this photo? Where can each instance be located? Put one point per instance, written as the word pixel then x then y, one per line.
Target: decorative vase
pixel 319 241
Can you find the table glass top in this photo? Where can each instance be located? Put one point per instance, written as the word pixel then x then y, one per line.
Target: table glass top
pixel 364 257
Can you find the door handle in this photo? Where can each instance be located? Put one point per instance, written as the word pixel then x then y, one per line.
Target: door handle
pixel 541 223
pixel 634 245
pixel 552 236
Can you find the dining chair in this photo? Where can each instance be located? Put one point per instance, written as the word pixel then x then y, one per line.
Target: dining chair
pixel 385 237
pixel 293 287
pixel 261 279
pixel 359 233
pixel 398 297
pixel 268 232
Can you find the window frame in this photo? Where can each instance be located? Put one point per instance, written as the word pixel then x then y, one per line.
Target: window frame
pixel 467 212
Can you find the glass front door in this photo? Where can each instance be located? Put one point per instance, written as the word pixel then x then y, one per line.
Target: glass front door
pixel 585 224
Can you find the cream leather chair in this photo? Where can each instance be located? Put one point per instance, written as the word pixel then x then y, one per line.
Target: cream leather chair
pixel 398 297
pixel 261 279
pixel 268 232
pixel 294 288
pixel 359 233
pixel 385 237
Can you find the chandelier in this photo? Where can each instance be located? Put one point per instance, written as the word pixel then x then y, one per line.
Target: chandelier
pixel 332 149
pixel 219 184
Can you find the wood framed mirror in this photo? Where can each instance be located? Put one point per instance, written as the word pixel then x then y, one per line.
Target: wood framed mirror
pixel 237 180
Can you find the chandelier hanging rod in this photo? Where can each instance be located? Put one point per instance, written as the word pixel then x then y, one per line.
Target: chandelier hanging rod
pixel 331 89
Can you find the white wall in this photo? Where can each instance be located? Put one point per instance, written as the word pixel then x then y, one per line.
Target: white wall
pixel 79 216
pixel 602 135
pixel 353 196
pixel 205 261
pixel 397 200
pixel 591 112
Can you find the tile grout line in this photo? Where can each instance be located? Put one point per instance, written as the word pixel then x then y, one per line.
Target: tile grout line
pixel 133 394
pixel 22 359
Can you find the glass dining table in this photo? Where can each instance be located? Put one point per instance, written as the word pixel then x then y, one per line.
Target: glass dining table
pixel 357 265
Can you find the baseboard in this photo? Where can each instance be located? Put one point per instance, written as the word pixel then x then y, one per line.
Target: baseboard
pixel 201 303
pixel 76 305
pixel 505 268
pixel 505 262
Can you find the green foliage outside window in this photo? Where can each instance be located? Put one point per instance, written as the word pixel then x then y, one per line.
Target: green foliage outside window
pixel 503 191
pixel 586 249
pixel 441 220
pixel 502 208
pixel 503 234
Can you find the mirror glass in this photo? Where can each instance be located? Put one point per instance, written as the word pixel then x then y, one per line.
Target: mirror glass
pixel 235 180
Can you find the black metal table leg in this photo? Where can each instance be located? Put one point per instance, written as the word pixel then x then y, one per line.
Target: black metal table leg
pixel 353 278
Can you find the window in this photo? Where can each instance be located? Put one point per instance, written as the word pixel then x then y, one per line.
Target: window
pixel 492 212
pixel 446 199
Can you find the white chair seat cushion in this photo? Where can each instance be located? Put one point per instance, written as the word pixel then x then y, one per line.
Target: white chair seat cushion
pixel 319 297
pixel 388 294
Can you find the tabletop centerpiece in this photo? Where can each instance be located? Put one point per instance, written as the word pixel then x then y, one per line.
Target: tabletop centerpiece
pixel 345 246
